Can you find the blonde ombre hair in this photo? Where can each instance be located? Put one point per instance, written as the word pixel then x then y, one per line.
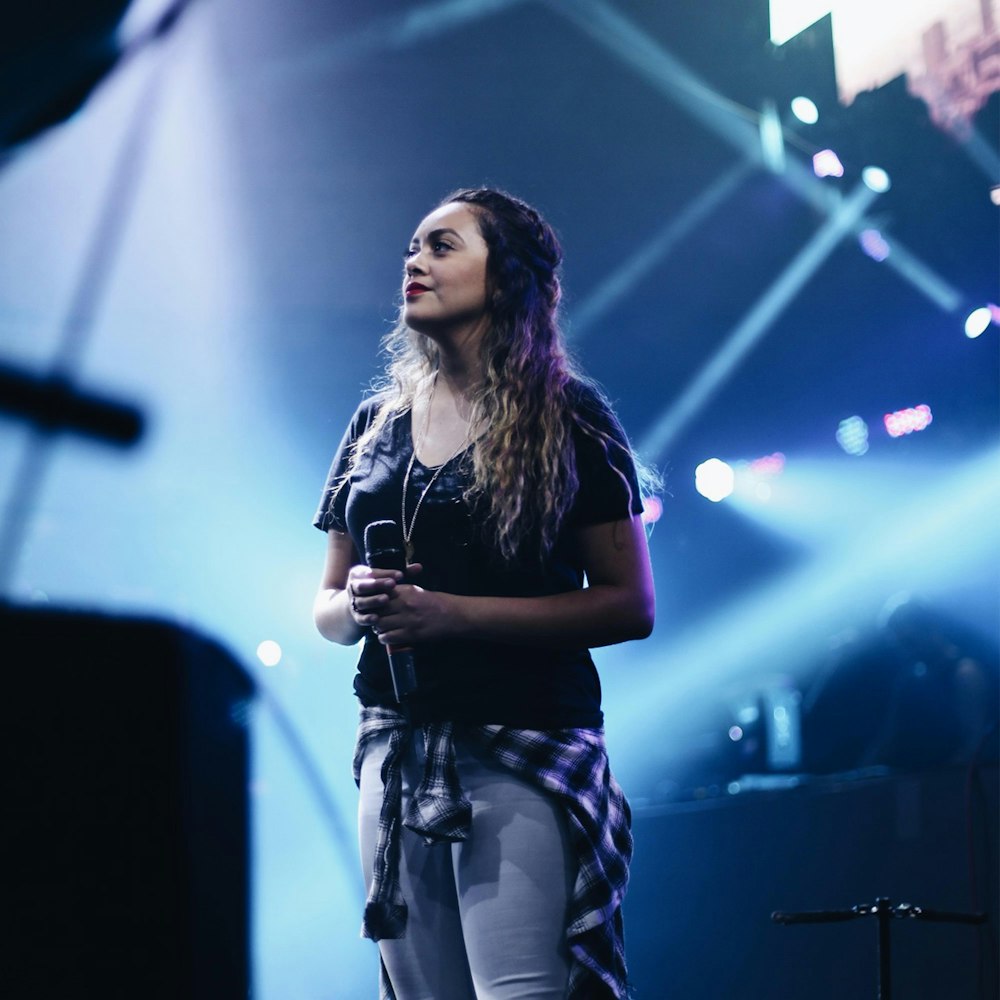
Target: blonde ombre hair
pixel 523 461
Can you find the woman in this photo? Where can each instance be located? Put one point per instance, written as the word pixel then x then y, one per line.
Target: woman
pixel 494 839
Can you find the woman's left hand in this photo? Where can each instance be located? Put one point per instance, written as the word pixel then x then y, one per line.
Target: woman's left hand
pixel 413 614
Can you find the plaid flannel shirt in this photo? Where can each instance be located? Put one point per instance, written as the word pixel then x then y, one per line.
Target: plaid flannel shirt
pixel 572 765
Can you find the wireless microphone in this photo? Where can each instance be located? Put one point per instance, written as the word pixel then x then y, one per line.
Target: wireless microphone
pixel 384 550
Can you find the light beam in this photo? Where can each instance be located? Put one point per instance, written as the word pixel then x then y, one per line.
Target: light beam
pixel 748 332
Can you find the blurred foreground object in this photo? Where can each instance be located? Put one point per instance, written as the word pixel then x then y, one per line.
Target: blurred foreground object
pixel 127 810
pixel 53 56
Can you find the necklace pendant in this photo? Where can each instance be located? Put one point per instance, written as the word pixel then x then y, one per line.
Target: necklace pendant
pixel 408 547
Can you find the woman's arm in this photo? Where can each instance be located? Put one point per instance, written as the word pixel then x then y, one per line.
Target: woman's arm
pixel 617 604
pixel 344 579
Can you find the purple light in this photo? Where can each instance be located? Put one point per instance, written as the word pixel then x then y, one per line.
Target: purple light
pixel 652 510
pixel 769 465
pixel 874 244
pixel 826 163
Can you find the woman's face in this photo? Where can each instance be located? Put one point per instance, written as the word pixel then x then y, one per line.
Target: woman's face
pixel 444 280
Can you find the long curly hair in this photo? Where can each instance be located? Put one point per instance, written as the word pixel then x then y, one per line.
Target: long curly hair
pixel 523 461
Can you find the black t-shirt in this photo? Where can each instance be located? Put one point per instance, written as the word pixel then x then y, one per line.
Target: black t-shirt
pixel 478 681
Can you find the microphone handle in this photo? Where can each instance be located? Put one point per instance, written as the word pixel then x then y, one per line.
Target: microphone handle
pixel 403 668
pixel 402 662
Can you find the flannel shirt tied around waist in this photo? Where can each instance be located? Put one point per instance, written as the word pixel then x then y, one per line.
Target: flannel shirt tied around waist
pixel 572 765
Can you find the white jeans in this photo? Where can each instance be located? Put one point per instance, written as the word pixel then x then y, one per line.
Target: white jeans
pixel 487 916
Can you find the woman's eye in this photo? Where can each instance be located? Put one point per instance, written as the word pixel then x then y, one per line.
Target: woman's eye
pixel 440 246
pixel 409 252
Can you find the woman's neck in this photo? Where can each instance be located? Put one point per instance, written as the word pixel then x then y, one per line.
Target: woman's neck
pixel 459 368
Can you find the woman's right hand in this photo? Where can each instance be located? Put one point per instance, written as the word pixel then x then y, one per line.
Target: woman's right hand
pixel 369 591
pixel 350 594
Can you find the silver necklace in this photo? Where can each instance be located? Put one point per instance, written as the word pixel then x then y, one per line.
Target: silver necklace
pixel 408 527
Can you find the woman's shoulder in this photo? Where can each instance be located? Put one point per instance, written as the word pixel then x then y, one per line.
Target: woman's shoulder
pixel 589 406
pixel 366 411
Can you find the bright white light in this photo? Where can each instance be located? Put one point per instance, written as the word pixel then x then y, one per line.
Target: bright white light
pixel 995 194
pixel 805 110
pixel 978 322
pixel 877 179
pixel 269 653
pixel 789 17
pixel 735 733
pixel 714 479
pixel 826 163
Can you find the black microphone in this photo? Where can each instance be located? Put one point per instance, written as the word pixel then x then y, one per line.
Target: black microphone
pixel 384 550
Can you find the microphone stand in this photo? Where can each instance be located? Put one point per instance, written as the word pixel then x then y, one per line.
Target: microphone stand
pixel 884 912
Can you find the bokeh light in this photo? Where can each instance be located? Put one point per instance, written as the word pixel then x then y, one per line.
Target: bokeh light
pixel 877 179
pixel 269 653
pixel 805 110
pixel 714 479
pixel 826 163
pixel 978 321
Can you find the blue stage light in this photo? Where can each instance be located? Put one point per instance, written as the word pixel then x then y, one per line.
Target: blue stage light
pixel 852 435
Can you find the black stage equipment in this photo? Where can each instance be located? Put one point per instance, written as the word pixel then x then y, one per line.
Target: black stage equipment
pixel 707 875
pixel 126 810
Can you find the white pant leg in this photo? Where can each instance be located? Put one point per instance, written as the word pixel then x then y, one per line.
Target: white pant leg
pixel 429 963
pixel 515 877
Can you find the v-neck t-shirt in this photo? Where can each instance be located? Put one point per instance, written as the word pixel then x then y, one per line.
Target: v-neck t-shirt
pixel 472 680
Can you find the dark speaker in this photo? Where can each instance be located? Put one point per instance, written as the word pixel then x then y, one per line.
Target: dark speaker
pixel 126 810
pixel 707 876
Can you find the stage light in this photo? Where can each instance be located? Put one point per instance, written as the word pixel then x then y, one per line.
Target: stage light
pixel 876 179
pixel 927 528
pixel 995 194
pixel 735 733
pixel 826 163
pixel 914 418
pixel 269 653
pixel 852 435
pixel 714 479
pixel 874 244
pixel 805 110
pixel 652 510
pixel 754 478
pixel 978 321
